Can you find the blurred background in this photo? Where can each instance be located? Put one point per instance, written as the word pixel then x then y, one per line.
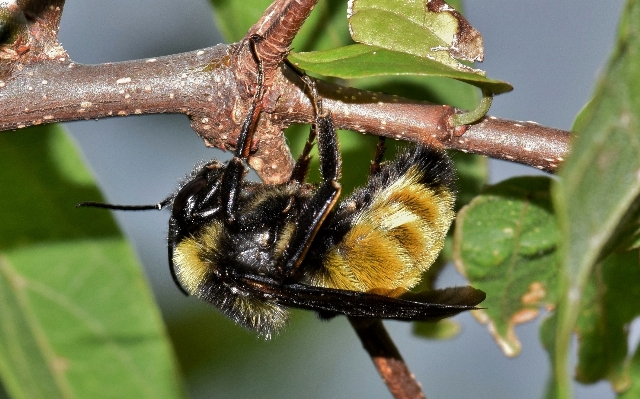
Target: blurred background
pixel 549 51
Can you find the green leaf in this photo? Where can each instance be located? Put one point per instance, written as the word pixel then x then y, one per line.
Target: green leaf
pixel 599 187
pixel 473 172
pixel 548 329
pixel 634 372
pixel 234 18
pixel 359 60
pixel 77 318
pixel 504 243
pixel 609 305
pixel 412 27
pixel 325 28
pixel 442 329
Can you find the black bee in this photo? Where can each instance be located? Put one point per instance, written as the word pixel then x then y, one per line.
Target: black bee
pixel 252 249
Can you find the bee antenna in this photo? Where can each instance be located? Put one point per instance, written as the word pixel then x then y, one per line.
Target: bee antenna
pixel 92 204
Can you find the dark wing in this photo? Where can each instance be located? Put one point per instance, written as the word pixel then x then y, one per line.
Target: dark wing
pixel 431 305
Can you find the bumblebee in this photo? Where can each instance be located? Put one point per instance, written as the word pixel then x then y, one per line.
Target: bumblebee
pixel 253 250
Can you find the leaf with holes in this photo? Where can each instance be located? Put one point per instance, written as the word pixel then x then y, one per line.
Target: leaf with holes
pixel 429 29
pixel 505 244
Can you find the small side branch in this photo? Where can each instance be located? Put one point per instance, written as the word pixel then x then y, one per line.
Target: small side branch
pixel 386 358
pixel 278 27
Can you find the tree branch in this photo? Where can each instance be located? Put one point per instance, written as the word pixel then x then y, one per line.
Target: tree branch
pixel 42 85
pixel 201 84
pixel 386 358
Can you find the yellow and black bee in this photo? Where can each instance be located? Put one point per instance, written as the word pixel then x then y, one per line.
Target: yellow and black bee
pixel 252 250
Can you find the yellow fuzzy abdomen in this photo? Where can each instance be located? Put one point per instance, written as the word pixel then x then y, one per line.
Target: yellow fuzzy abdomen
pixel 391 242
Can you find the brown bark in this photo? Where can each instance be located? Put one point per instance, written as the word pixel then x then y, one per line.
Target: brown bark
pixel 387 360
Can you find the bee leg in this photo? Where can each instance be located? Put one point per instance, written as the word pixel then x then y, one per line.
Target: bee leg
pixel 325 197
pixel 301 167
pixel 377 160
pixel 236 169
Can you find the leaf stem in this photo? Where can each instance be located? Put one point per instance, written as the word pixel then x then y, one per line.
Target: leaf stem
pixel 476 114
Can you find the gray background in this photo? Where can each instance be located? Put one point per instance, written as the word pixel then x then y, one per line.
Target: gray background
pixel 549 50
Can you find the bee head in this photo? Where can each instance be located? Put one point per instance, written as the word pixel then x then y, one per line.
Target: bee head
pixel 197 201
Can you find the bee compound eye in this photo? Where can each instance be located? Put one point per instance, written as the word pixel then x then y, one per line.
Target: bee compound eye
pixel 189 190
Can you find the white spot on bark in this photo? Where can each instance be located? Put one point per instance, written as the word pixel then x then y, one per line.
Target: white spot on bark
pixel 123 80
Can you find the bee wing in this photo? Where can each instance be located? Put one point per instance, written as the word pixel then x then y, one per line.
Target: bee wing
pixel 431 305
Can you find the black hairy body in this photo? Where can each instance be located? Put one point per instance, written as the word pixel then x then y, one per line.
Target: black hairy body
pixel 226 265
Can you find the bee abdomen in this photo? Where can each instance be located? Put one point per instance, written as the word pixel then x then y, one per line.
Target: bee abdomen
pixel 397 228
